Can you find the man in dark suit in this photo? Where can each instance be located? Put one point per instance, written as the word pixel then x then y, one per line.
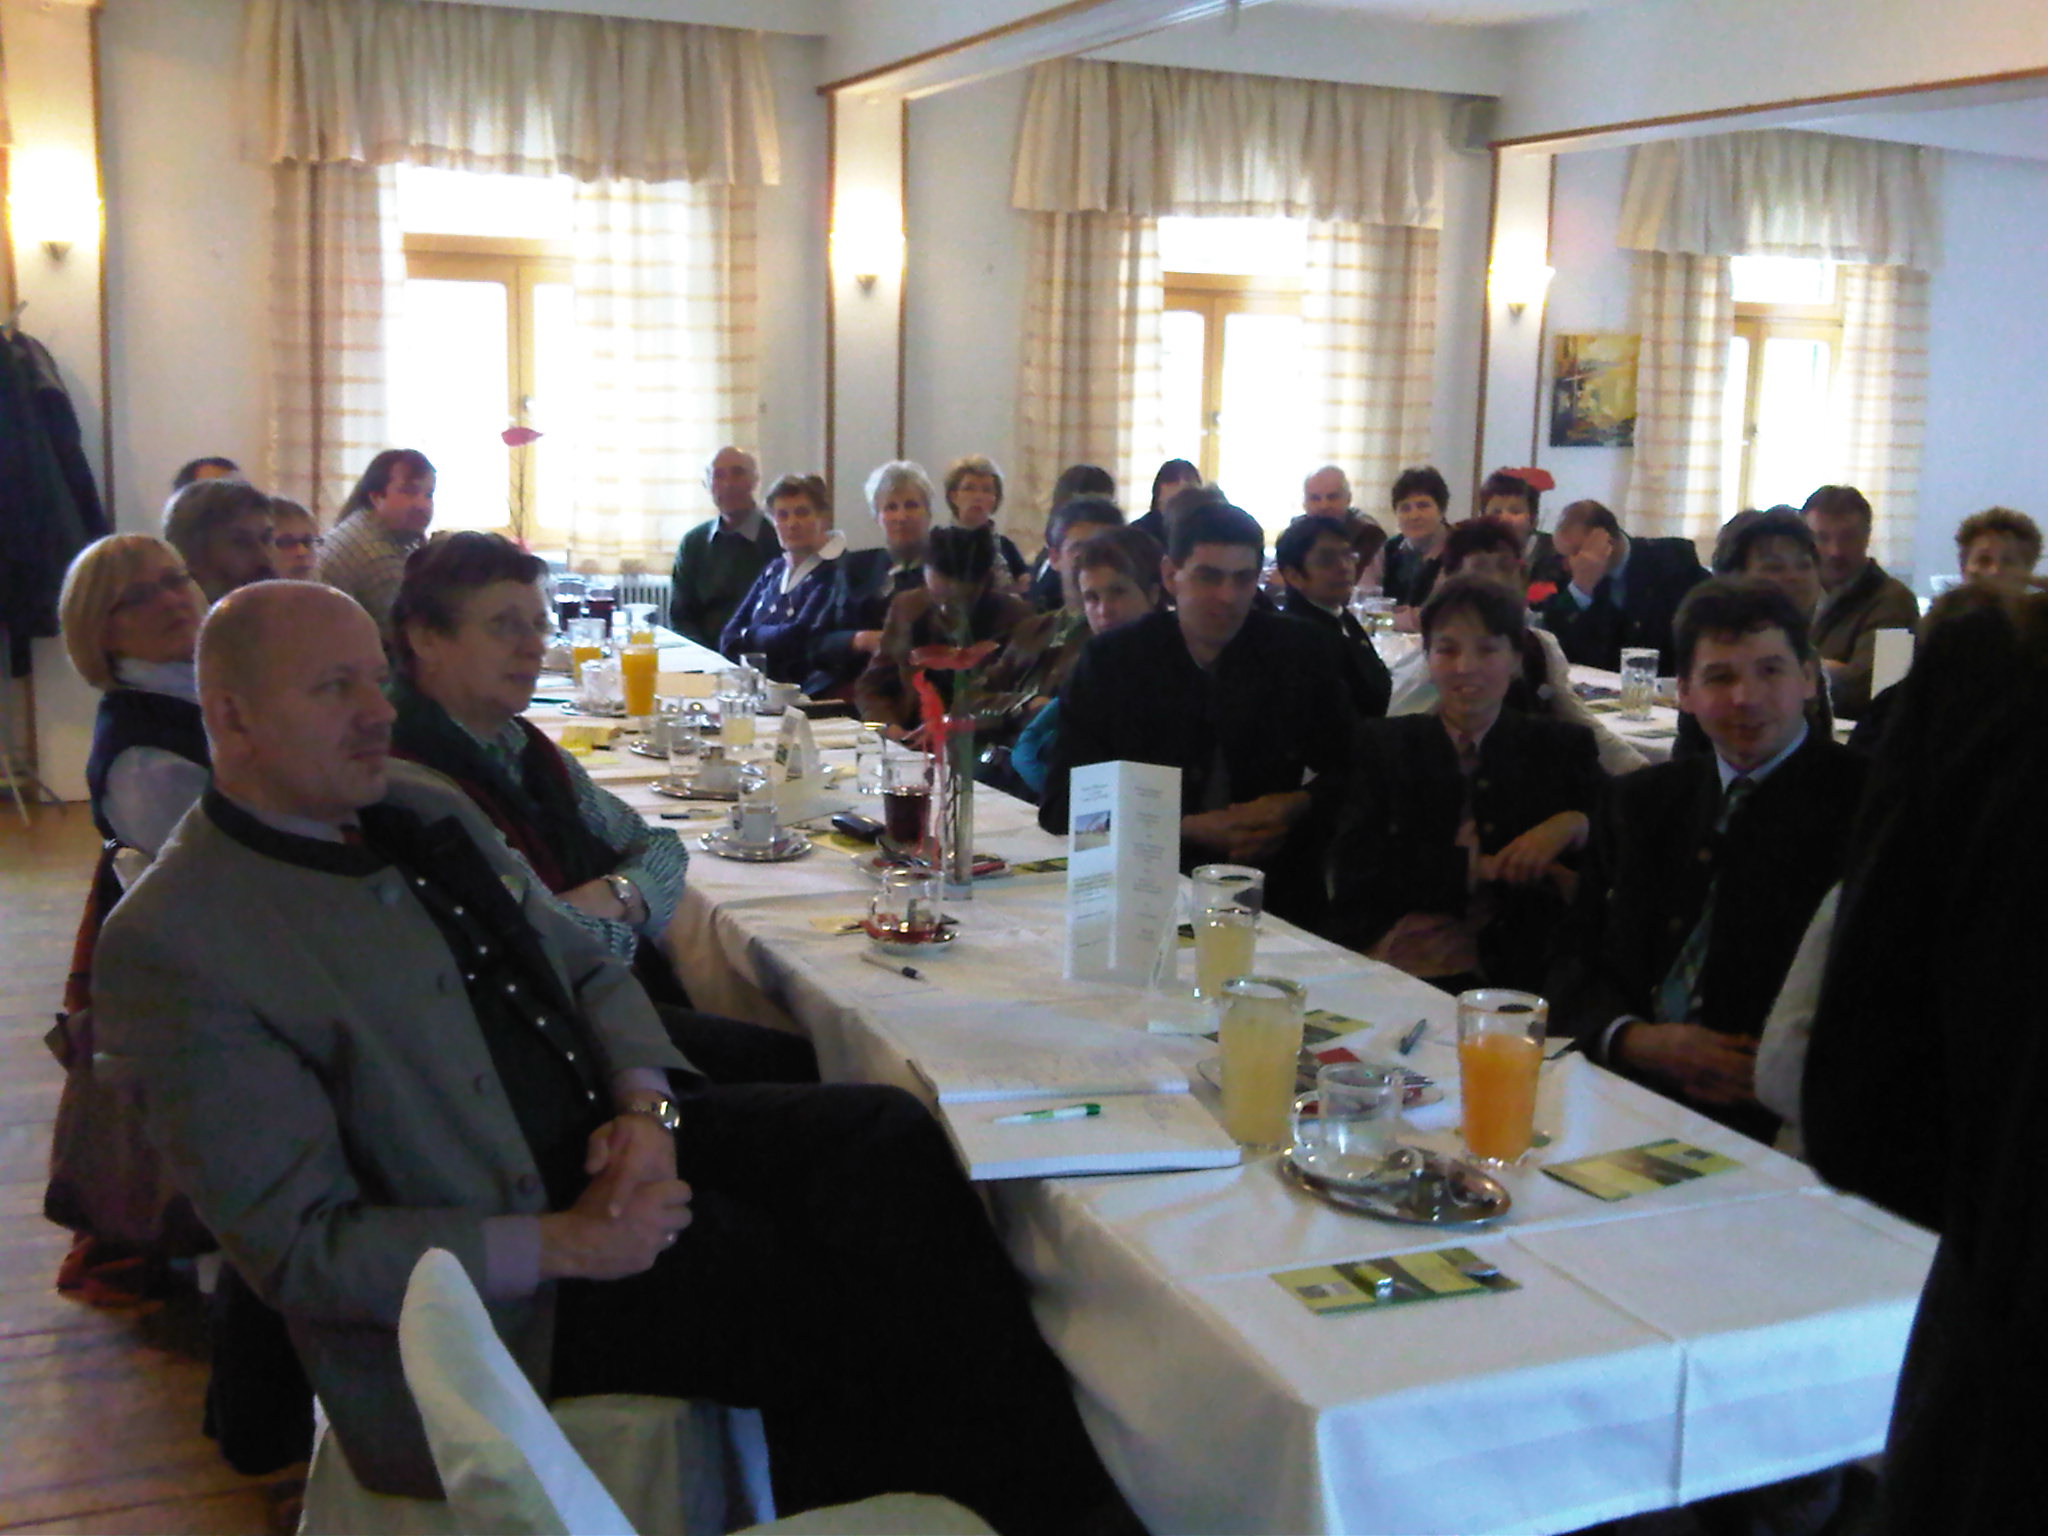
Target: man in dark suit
pixel 1704 872
pixel 495 1084
pixel 1621 592
pixel 1250 706
pixel 719 559
pixel 1319 568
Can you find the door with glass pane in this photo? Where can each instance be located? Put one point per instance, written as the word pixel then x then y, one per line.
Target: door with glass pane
pixel 1776 417
pixel 1231 387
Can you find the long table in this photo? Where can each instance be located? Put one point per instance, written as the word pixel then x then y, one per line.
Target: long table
pixel 1724 1333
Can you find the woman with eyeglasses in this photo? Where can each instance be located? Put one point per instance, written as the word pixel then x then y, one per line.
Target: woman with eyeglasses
pixel 470 624
pixel 294 541
pixel 130 614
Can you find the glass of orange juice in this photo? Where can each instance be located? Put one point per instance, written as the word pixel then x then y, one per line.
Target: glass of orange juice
pixel 586 643
pixel 637 664
pixel 1500 1050
pixel 1261 1038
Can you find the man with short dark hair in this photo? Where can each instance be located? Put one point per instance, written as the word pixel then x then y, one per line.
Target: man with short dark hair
pixel 1705 871
pixel 1250 706
pixel 1620 592
pixel 718 560
pixel 211 467
pixel 361 1031
pixel 1858 597
pixel 384 520
pixel 1319 567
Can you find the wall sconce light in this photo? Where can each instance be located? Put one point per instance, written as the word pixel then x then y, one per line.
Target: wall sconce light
pixel 867 238
pixel 53 199
pixel 1518 283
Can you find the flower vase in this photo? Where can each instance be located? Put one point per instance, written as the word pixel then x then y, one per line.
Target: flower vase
pixel 953 808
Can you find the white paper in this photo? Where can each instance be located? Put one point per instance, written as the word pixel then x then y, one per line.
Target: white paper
pixel 1123 864
pixel 1135 1133
pixel 1033 1053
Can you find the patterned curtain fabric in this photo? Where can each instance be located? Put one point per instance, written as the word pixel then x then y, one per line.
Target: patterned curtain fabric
pixel 1782 193
pixel 665 320
pixel 1880 400
pixel 336 261
pixel 1686 317
pixel 1368 314
pixel 1090 388
pixel 488 88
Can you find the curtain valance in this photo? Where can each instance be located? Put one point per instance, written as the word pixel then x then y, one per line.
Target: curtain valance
pixel 1779 192
pixel 482 88
pixel 1148 141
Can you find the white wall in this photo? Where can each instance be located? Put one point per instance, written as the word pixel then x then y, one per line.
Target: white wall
pixel 1987 335
pixel 790 279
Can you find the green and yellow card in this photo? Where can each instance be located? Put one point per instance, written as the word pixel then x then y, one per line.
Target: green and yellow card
pixel 1639 1170
pixel 1363 1285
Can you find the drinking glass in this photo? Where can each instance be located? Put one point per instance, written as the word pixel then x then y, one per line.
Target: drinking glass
pixel 736 719
pixel 598 688
pixel 1227 901
pixel 639 623
pixel 906 800
pixel 1348 1128
pixel 868 746
pixel 1500 1049
pixel 685 746
pixel 905 910
pixel 753 813
pixel 568 600
pixel 637 666
pixel 586 643
pixel 1261 1039
pixel 600 596
pixel 1638 682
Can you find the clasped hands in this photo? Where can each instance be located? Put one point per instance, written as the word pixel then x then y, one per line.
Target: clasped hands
pixel 633 1207
pixel 1249 831
pixel 1529 858
pixel 1703 1063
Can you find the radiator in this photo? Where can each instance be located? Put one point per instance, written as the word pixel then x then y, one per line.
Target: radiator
pixel 645 589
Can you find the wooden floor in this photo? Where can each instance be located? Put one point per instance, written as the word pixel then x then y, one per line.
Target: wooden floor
pixel 99 1412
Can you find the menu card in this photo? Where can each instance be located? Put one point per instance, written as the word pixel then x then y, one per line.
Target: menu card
pixel 1123 868
pixel 1638 1170
pixel 1362 1285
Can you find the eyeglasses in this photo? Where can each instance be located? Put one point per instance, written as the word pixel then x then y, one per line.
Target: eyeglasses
pixel 140 593
pixel 299 541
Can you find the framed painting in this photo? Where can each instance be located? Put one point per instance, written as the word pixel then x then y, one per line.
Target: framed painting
pixel 1593 391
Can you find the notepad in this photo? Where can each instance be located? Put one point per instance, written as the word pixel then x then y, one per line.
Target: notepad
pixel 1014 1059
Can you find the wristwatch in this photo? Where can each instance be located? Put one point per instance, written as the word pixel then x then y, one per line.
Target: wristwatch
pixel 622 888
pixel 662 1112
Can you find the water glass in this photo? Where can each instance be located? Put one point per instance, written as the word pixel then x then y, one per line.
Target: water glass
pixel 753 813
pixel 1348 1128
pixel 685 747
pixel 906 800
pixel 868 745
pixel 736 718
pixel 906 910
pixel 1638 682
pixel 1500 1053
pixel 1261 1038
pixel 1227 902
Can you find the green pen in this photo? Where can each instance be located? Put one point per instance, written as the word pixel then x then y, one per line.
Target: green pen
pixel 1067 1112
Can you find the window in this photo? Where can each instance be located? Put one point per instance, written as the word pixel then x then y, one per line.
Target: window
pixel 485 341
pixel 1776 426
pixel 1231 374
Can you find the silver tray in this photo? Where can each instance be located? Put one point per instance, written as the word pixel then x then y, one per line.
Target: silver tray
pixel 787 845
pixel 641 747
pixel 573 708
pixel 1447 1193
pixel 669 791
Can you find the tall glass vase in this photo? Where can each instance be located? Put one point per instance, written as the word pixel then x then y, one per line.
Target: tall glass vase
pixel 953 808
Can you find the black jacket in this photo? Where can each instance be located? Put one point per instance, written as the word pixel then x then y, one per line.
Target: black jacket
pixel 1273 707
pixel 1366 677
pixel 862 586
pixel 1398 852
pixel 49 507
pixel 1652 857
pixel 1655 580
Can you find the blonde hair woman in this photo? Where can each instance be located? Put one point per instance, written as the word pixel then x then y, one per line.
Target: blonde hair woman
pixel 130 614
pixel 974 495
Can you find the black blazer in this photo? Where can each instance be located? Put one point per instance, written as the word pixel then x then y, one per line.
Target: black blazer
pixel 1658 575
pixel 1365 676
pixel 1398 852
pixel 1652 857
pixel 1273 708
pixel 1410 588
pixel 859 598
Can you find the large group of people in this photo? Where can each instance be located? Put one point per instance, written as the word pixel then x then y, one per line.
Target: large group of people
pixel 394 978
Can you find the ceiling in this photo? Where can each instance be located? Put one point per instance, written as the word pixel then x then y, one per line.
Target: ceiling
pixel 1471 13
pixel 2014 128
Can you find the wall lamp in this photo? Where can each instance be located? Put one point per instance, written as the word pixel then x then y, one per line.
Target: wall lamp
pixel 867 238
pixel 53 199
pixel 1519 283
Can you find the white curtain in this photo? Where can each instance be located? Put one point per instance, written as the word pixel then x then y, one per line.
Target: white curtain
pixel 1782 193
pixel 1139 139
pixel 665 323
pixel 487 88
pixel 1880 400
pixel 1090 386
pixel 1686 317
pixel 1368 313
pixel 336 261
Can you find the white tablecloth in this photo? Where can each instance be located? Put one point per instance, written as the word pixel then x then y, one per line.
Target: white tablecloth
pixel 1734 1330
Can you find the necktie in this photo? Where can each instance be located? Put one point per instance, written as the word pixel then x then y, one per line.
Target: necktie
pixel 1678 998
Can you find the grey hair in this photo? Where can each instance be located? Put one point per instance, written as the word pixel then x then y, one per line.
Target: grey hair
pixel 1328 469
pixel 893 476
pixel 753 464
pixel 191 516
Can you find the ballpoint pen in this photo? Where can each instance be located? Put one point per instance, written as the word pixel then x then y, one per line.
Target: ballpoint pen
pixel 1033 1116
pixel 892 967
pixel 1414 1037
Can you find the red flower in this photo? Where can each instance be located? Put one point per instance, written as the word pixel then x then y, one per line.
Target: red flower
pixel 953 658
pixel 518 437
pixel 1541 592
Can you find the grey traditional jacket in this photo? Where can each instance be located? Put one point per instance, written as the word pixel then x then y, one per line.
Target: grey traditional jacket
pixel 313 1072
